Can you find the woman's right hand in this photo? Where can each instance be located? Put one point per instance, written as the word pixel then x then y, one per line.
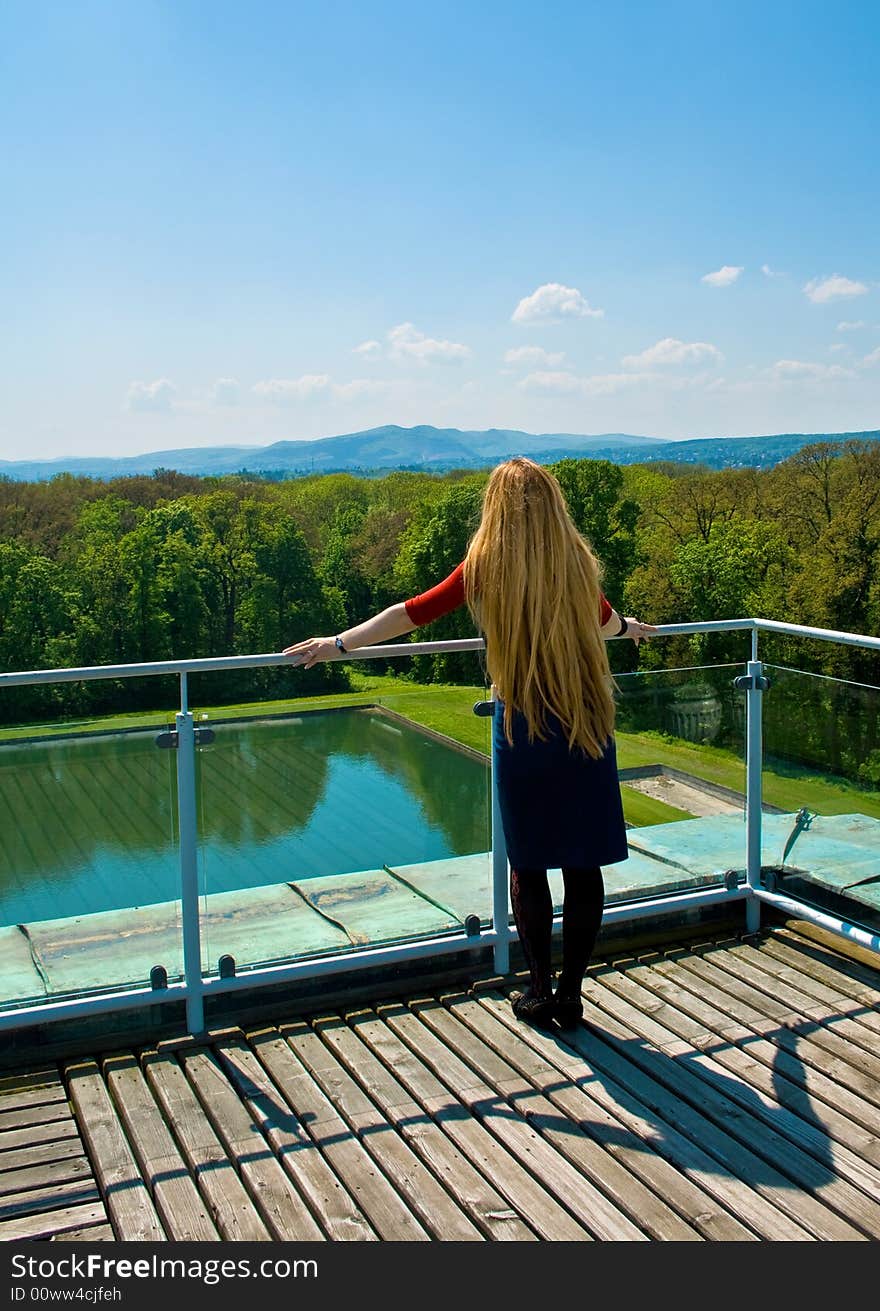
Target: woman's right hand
pixel 312 651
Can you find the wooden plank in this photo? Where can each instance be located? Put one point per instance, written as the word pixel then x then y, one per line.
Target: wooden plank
pixel 227 1200
pixel 777 1086
pixel 472 1192
pixel 787 1078
pixel 591 1184
pixel 816 1025
pixel 764 955
pixel 174 1194
pixel 125 1195
pixel 686 1176
pixel 19 1080
pixel 523 1195
pixel 329 1199
pixel 830 968
pixel 39 1176
pixel 54 1197
pixel 592 1208
pixel 782 1045
pixel 548 1216
pixel 42 1114
pixel 730 957
pixel 858 983
pixel 852 958
pixel 277 1200
pixel 528 1088
pixel 49 1224
pixel 857 1023
pixel 434 1206
pixel 37 1096
pixel 35 1135
pixel 748 1186
pixel 42 1154
pixel 782 1163
pixel 377 1198
pixel 94 1234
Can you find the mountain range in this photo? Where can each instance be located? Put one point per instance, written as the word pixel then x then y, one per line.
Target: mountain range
pixel 379 450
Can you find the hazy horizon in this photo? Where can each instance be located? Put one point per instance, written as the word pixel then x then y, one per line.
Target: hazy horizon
pixel 557 444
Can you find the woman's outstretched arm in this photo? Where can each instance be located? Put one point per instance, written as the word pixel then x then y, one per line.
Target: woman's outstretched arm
pixel 383 627
pixel 634 629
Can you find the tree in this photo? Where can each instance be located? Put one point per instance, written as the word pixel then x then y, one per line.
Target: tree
pixel 429 552
pixel 593 491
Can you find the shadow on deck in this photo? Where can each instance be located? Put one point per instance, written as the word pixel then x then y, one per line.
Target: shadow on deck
pixel 726 1091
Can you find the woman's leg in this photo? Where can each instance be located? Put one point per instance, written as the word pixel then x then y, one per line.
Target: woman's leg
pixel 581 921
pixel 533 913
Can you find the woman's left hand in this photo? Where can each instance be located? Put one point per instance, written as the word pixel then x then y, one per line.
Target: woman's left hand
pixel 637 630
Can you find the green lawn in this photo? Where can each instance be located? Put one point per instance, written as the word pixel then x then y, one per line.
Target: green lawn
pixel 448 709
pixel 787 786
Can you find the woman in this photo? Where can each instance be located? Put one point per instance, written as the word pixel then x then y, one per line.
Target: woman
pixel 532 584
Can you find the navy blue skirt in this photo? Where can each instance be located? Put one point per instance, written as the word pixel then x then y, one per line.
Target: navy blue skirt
pixel 558 807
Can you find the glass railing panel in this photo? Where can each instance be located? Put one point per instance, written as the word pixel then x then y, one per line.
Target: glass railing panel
pixel 822 772
pixel 363 823
pixel 89 872
pixel 680 741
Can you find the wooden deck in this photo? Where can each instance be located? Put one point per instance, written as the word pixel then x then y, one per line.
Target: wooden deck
pixel 726 1091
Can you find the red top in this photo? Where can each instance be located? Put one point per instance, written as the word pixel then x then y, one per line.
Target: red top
pixel 449 595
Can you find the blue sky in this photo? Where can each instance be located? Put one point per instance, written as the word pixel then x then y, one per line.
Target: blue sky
pixel 233 223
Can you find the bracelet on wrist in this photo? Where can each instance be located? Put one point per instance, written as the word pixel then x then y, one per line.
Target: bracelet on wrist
pixel 623 627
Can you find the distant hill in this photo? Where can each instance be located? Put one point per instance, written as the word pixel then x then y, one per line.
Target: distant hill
pixel 379 450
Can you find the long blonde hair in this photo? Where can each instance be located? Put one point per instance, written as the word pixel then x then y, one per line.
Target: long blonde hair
pixel 532 584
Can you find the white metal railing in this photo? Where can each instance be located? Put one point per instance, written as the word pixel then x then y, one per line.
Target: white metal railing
pixel 196 986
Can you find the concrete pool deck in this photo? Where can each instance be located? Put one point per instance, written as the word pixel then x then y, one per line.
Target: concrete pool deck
pixel 837 854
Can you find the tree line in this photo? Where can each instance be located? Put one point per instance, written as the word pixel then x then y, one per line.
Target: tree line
pixel 171 566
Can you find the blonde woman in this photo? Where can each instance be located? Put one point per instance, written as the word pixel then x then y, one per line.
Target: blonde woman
pixel 531 582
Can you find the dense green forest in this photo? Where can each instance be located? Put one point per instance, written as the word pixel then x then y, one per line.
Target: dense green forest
pixel 172 566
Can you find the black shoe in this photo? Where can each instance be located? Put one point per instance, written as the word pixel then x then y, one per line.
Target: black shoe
pixel 534 1010
pixel 568 1011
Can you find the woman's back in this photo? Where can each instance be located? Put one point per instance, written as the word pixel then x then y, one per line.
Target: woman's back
pixel 532 583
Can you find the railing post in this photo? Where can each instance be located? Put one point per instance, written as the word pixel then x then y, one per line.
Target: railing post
pixel 189 872
pixel 755 684
pixel 500 911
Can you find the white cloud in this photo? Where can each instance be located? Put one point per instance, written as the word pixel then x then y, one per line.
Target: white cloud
pixel 839 346
pixel 553 302
pixel 791 370
pixel 406 342
pixel 672 351
pixel 369 349
pixel 565 383
pixel 155 397
pixel 723 277
pixel 870 360
pixel 770 273
pixel 358 387
pixel 225 391
pixel 545 380
pixel 847 326
pixel 821 290
pixel 285 391
pixel 606 384
pixel 531 355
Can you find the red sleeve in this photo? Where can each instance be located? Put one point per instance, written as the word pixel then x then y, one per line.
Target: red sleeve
pixel 446 596
pixel 449 595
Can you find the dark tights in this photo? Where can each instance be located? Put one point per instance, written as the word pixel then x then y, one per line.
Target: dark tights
pixel 581 921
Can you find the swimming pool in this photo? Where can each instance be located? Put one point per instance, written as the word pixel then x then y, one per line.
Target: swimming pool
pixel 89 824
